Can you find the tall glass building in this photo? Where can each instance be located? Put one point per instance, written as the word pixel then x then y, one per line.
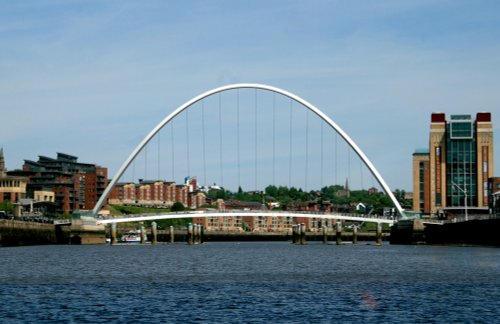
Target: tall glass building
pixel 453 173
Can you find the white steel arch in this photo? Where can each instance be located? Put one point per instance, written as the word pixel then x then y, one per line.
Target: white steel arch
pixel 206 94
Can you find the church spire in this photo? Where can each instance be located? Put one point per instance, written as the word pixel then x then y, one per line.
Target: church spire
pixel 347 187
pixel 2 162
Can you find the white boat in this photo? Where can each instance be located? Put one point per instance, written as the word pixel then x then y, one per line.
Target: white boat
pixel 132 237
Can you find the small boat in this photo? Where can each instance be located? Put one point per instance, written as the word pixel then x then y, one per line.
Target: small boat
pixel 131 237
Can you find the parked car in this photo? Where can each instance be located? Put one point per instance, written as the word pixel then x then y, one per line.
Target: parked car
pixel 4 215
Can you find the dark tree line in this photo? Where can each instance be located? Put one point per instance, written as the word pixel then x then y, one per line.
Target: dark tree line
pixel 336 195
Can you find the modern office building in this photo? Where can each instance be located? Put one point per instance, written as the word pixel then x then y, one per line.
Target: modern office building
pixel 453 173
pixel 76 185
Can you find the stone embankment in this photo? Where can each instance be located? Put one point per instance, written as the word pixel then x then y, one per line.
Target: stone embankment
pixel 15 232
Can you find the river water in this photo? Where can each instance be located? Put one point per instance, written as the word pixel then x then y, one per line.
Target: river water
pixel 249 282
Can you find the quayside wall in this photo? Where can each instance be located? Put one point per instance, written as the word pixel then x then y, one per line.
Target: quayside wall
pixel 13 233
pixel 473 232
pixel 485 232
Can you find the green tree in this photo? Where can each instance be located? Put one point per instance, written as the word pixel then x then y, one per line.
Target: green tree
pixel 272 191
pixel 221 194
pixel 177 206
pixel 7 206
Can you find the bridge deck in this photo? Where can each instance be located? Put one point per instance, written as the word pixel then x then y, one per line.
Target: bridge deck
pixel 148 217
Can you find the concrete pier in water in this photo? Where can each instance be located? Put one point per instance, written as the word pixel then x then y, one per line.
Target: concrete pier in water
pixel 114 239
pixel 354 234
pixel 172 234
pixel 379 234
pixel 154 233
pixel 338 233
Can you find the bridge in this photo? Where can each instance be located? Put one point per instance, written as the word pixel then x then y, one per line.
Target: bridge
pixel 241 213
pixel 142 146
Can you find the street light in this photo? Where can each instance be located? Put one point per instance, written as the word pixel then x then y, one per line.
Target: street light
pixel 465 194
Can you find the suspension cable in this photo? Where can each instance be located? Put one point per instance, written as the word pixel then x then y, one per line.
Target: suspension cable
pixel 172 153
pixel 290 153
pixel 307 150
pixel 203 138
pixel 146 162
pixel 348 164
pixel 187 144
pixel 255 130
pixel 133 171
pixel 220 141
pixel 336 159
pixel 321 158
pixel 361 173
pixel 238 135
pixel 274 138
pixel 159 156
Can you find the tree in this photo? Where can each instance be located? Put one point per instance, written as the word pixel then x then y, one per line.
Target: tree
pixel 7 207
pixel 177 206
pixel 221 194
pixel 272 191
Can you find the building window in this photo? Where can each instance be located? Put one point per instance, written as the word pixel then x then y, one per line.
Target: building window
pixel 461 127
pixel 461 170
pixel 421 184
pixel 438 176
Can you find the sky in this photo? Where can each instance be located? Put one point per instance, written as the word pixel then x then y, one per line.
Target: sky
pixel 92 78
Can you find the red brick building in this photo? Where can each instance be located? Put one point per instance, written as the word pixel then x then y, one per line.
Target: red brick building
pixel 76 185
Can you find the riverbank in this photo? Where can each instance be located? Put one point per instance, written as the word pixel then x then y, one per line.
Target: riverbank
pixel 16 233
pixel 411 232
pixel 482 232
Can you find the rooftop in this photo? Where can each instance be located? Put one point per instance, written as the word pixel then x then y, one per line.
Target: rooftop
pixel 421 151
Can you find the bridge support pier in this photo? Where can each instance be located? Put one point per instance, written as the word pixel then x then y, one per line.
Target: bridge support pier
pixel 172 234
pixel 302 233
pixel 325 234
pixel 379 234
pixel 154 233
pixel 294 234
pixel 113 234
pixel 143 234
pixel 196 233
pixel 189 234
pixel 338 233
pixel 354 234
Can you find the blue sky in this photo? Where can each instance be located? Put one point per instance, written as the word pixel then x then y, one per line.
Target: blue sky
pixel 91 78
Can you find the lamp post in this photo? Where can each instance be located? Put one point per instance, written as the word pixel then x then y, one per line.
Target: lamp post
pixel 465 194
